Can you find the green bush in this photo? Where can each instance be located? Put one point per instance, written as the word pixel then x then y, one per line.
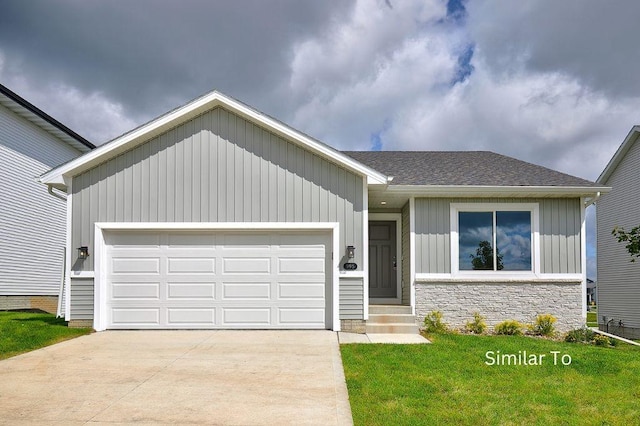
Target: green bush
pixel 579 335
pixel 510 328
pixel 433 323
pixel 478 325
pixel 543 326
pixel 600 340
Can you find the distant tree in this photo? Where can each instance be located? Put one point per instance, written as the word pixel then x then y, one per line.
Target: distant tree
pixel 483 259
pixel 632 238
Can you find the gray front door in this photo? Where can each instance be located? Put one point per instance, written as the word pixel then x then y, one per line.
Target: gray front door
pixel 383 282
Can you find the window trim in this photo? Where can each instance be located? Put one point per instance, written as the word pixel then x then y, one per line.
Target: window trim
pixel 456 208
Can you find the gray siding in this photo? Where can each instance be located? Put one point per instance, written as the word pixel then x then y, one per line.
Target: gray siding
pixel 406 256
pixel 560 223
pixel 31 220
pixel 618 278
pixel 81 299
pixel 219 167
pixel 351 298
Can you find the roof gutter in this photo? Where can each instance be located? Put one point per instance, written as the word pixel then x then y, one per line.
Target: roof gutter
pixel 497 191
pixel 60 196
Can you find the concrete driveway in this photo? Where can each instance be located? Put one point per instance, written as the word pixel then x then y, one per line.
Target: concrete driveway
pixel 185 377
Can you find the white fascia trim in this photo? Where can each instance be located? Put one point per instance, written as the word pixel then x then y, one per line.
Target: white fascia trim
pixel 191 110
pixel 412 253
pixel 397 218
pixel 365 250
pixel 494 191
pixel 100 253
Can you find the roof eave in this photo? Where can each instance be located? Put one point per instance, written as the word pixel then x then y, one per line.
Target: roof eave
pixel 43 120
pixel 631 138
pixel 498 191
pixel 191 110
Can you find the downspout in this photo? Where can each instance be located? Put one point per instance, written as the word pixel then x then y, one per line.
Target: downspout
pixel 62 197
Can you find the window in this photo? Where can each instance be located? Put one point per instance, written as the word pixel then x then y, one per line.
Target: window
pixel 494 238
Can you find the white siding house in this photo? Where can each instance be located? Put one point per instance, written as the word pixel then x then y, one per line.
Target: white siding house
pixel 32 222
pixel 618 277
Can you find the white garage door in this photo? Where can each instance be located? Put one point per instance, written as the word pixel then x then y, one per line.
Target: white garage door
pixel 217 280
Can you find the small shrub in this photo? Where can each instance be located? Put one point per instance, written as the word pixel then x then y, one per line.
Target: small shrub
pixel 579 335
pixel 510 328
pixel 543 326
pixel 600 340
pixel 433 323
pixel 478 325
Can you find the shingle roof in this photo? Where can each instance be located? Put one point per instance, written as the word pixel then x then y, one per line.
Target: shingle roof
pixel 477 168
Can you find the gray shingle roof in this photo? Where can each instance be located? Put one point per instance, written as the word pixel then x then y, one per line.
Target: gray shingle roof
pixel 480 168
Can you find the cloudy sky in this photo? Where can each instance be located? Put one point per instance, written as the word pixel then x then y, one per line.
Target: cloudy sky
pixel 553 83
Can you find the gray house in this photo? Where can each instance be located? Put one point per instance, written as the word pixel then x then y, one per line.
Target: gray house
pixel 218 216
pixel 32 222
pixel 618 278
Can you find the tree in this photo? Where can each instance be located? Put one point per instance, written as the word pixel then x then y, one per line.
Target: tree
pixel 632 238
pixel 483 260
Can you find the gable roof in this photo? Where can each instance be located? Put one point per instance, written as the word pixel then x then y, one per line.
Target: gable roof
pixel 626 145
pixel 469 168
pixel 189 111
pixel 35 115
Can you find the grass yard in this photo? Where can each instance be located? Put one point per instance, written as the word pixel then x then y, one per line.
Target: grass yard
pixel 448 382
pixel 25 331
pixel 592 319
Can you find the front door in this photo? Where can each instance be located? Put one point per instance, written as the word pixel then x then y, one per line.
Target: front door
pixel 383 282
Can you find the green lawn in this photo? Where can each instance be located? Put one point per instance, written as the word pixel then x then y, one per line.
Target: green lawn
pixel 25 331
pixel 448 382
pixel 592 319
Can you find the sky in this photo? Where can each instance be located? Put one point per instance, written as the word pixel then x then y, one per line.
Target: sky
pixel 552 83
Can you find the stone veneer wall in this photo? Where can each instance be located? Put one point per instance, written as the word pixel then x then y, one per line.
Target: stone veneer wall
pixel 353 326
pixel 498 302
pixel 44 303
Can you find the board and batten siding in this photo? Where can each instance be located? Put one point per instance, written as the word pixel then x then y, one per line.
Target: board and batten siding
pixel 32 222
pixel 618 278
pixel 219 167
pixel 560 225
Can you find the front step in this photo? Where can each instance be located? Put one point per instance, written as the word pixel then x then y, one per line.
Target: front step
pixel 391 319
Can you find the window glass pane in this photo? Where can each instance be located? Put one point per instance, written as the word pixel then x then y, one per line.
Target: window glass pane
pixel 475 240
pixel 513 241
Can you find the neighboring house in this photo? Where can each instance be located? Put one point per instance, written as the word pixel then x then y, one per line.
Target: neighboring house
pixel 32 222
pixel 592 292
pixel 218 216
pixel 618 277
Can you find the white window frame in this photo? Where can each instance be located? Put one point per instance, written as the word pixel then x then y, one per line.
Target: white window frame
pixel 534 208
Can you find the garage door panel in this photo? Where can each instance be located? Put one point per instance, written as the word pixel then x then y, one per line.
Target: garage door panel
pixel 192 265
pixel 259 317
pixel 291 265
pixel 246 265
pixel 190 290
pixel 137 265
pixel 246 290
pixel 135 290
pixel 218 280
pixel 297 316
pixel 298 290
pixel 191 316
pixel 135 316
pixel 125 239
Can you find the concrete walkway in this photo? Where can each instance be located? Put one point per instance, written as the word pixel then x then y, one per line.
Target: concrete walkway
pixel 396 339
pixel 185 377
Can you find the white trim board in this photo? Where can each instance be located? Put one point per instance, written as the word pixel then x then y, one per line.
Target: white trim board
pixel 99 249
